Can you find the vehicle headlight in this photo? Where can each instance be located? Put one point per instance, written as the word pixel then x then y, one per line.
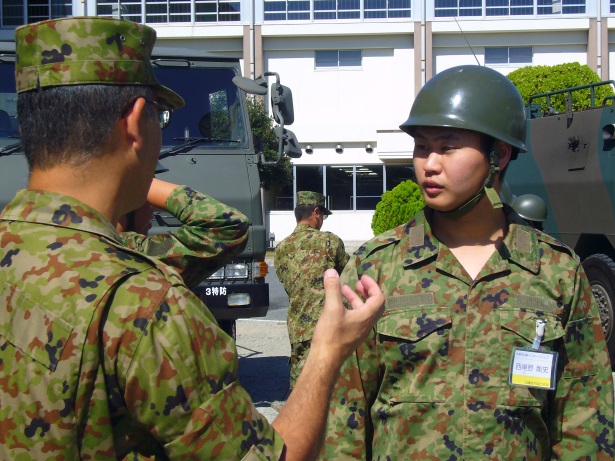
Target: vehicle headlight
pixel 236 271
pixel 218 275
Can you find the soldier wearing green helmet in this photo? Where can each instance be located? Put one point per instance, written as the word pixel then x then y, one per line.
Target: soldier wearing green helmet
pixel 490 347
pixel 105 353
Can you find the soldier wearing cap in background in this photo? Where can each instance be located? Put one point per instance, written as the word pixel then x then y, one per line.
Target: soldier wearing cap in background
pixel 491 346
pixel 105 352
pixel 300 260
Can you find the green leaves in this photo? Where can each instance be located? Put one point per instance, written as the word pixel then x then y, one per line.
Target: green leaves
pixel 533 80
pixel 397 206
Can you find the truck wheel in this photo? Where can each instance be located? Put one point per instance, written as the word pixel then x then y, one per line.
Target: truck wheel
pixel 229 327
pixel 600 270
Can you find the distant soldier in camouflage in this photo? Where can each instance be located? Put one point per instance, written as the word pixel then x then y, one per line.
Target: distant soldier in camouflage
pixel 300 260
pixel 104 351
pixel 491 346
pixel 211 233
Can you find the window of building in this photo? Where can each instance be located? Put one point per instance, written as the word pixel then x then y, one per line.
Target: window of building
pixel 283 10
pixel 369 182
pixel 509 7
pixel 378 9
pixel 458 8
pixel 335 59
pixel 508 55
pixel 337 9
pixel 15 13
pixel 171 11
pixel 461 8
pixel 347 187
pixel 396 174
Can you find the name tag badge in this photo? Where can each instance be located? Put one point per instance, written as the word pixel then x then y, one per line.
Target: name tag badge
pixel 533 368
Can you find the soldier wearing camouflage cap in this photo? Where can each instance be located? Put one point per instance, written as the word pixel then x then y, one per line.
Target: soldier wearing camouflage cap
pixel 491 346
pixel 300 260
pixel 106 354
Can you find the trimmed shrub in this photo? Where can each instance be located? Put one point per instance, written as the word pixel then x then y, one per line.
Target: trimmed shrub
pixel 532 80
pixel 397 206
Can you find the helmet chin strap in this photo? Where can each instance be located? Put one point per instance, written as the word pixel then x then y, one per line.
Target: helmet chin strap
pixel 486 189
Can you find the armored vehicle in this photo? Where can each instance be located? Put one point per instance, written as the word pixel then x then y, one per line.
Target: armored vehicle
pixel 570 163
pixel 209 147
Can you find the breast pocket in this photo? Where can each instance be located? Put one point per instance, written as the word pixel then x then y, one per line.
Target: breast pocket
pixel 518 329
pixel 414 348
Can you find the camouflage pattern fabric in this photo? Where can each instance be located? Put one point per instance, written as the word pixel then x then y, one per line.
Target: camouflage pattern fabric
pixel 211 234
pixel 431 382
pixel 310 198
pixel 105 353
pixel 300 262
pixel 87 50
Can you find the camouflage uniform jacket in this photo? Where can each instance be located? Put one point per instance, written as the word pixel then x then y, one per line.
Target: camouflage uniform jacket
pixel 105 353
pixel 211 234
pixel 431 381
pixel 300 262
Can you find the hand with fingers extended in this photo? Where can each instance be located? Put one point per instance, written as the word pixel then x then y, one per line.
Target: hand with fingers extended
pixel 340 331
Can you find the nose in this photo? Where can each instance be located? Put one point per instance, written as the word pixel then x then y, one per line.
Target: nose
pixel 433 162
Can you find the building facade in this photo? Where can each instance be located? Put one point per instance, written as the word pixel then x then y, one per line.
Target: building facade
pixel 354 67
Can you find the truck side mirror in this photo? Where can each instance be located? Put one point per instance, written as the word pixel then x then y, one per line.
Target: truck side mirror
pixel 282 104
pixel 291 145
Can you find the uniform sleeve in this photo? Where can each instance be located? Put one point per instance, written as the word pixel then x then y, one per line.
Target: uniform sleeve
pixel 582 416
pixel 341 257
pixel 349 426
pixel 211 234
pixel 177 377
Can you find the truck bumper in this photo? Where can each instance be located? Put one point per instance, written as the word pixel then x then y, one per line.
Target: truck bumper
pixel 231 302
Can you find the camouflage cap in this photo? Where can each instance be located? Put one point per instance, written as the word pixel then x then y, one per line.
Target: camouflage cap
pixel 87 50
pixel 306 197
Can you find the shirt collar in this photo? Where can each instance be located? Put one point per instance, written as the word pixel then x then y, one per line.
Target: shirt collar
pixel 60 210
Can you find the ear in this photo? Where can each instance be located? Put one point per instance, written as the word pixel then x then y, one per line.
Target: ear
pixel 504 154
pixel 134 123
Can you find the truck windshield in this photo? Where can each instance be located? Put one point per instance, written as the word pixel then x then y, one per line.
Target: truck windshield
pixel 9 127
pixel 213 109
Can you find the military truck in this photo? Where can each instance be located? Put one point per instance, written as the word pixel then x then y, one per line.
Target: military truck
pixel 570 163
pixel 209 147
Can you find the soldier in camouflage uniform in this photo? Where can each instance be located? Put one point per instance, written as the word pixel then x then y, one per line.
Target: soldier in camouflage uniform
pixel 466 281
pixel 211 233
pixel 104 351
pixel 300 260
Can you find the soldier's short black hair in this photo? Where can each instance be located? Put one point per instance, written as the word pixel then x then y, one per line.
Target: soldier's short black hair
pixel 303 212
pixel 70 124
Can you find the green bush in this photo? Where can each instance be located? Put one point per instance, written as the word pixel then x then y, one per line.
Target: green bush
pixel 532 80
pixel 397 206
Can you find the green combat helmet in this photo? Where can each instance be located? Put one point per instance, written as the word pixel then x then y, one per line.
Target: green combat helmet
pixel 530 207
pixel 473 98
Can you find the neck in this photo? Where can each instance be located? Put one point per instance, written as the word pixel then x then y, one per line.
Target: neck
pixel 96 186
pixel 482 226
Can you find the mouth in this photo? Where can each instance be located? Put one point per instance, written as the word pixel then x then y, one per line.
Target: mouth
pixel 432 188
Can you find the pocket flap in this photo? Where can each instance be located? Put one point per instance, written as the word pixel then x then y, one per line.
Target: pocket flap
pixel 523 323
pixel 35 331
pixel 414 322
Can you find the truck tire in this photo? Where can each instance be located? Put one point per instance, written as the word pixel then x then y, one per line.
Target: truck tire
pixel 600 270
pixel 229 327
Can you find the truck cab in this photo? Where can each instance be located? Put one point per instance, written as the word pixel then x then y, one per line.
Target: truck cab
pixel 209 147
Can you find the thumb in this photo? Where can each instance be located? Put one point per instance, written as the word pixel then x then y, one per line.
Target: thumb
pixel 331 282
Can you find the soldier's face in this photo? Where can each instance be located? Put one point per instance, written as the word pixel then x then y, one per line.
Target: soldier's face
pixel 450 166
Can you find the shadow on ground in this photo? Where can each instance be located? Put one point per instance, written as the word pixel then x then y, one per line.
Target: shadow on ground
pixel 265 378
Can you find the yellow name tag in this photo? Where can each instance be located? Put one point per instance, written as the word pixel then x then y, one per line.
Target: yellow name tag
pixel 533 368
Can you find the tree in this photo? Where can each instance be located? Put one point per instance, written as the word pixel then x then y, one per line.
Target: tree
pixel 533 80
pixel 280 174
pixel 397 206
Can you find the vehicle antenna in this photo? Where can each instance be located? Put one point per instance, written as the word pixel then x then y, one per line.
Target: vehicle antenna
pixel 466 39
